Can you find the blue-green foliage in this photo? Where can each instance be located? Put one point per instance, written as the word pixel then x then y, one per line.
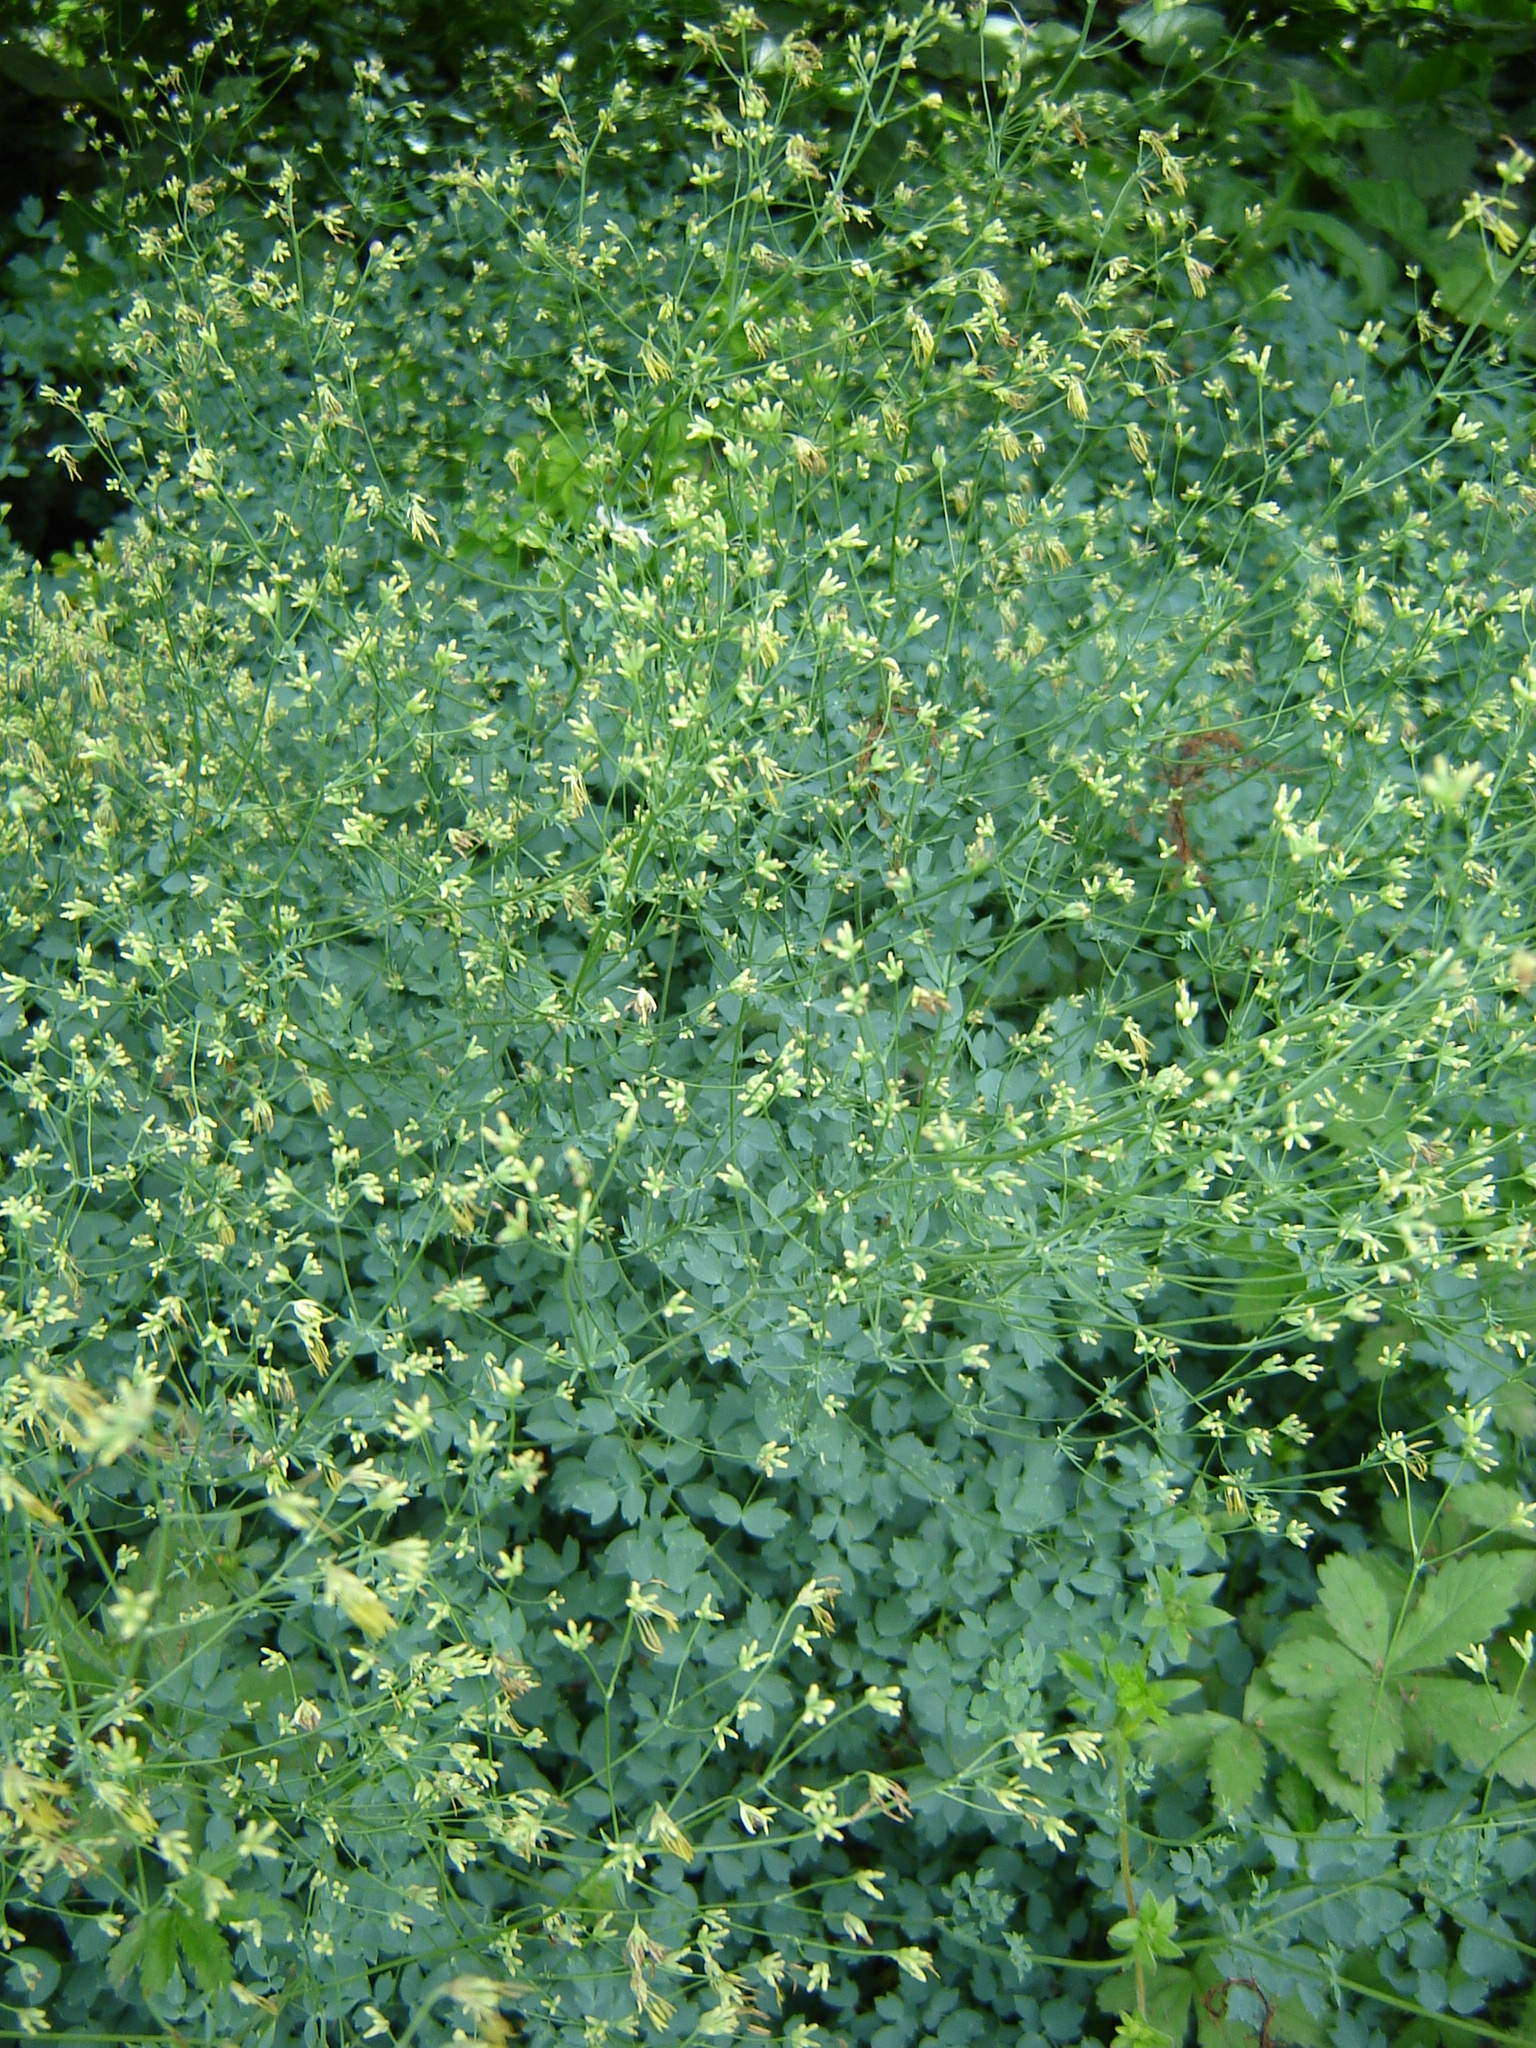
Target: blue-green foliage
pixel 766 1023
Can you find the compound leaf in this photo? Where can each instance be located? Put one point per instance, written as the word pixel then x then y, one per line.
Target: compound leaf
pixel 1357 1607
pixel 1237 1768
pixel 1312 1666
pixel 1183 1738
pixel 1366 1729
pixel 1299 1730
pixel 159 1954
pixel 1482 1728
pixel 205 1949
pixel 1461 1605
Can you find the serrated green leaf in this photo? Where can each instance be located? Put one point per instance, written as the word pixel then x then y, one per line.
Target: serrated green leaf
pixel 1312 1666
pixel 1237 1768
pixel 1515 1762
pixel 1183 1738
pixel 1488 1505
pixel 1461 1605
pixel 158 1954
pixel 1365 1726
pixel 1357 1608
pixel 1298 1728
pixel 1482 1728
pixel 1392 1576
pixel 1514 1404
pixel 205 1949
pixel 125 1954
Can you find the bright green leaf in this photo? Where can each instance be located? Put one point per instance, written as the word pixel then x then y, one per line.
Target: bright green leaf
pixel 1298 1728
pixel 1311 1666
pixel 205 1949
pixel 1461 1605
pixel 1366 1729
pixel 1357 1608
pixel 1482 1728
pixel 1237 1768
pixel 1183 1738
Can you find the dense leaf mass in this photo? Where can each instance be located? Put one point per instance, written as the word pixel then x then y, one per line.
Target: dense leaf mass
pixel 766 1024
